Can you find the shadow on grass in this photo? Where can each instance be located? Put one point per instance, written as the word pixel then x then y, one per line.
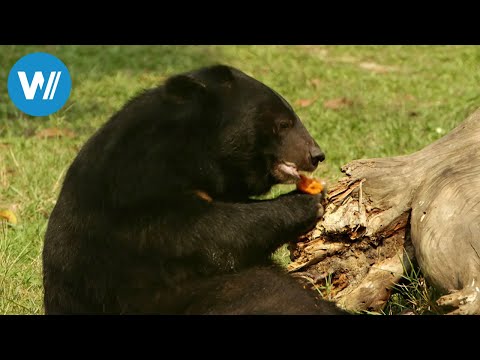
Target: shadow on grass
pixel 102 75
pixel 108 59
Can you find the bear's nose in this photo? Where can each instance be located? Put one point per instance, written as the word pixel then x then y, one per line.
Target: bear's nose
pixel 316 156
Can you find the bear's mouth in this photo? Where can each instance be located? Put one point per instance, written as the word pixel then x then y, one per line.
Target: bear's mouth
pixel 286 172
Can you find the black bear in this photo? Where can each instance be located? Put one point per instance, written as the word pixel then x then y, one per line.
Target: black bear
pixel 156 216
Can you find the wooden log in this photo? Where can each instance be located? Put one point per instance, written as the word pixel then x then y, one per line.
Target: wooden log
pixel 387 211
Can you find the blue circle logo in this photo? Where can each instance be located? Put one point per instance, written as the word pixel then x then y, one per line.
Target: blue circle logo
pixel 39 84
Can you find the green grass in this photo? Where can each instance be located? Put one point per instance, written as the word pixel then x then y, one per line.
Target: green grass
pixel 413 295
pixel 409 97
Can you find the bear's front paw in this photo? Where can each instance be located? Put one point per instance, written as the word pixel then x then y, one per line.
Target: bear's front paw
pixel 306 209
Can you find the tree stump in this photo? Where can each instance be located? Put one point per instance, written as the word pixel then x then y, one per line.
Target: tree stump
pixel 387 211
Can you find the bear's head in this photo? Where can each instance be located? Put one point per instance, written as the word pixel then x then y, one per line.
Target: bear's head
pixel 259 141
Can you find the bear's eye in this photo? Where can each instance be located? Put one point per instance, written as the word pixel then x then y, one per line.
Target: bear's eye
pixel 284 124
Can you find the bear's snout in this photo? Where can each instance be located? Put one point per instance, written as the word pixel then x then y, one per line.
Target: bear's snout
pixel 316 155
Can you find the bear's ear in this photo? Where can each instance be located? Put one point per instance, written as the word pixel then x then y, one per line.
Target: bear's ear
pixel 220 74
pixel 182 87
pixel 214 76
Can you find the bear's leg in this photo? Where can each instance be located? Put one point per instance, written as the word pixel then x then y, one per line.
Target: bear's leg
pixel 261 291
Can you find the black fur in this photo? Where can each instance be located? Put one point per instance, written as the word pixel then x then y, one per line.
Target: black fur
pixel 129 232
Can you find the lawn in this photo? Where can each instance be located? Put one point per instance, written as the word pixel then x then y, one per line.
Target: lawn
pixel 357 101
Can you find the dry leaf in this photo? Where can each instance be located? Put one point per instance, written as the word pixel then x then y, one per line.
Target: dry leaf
pixel 305 102
pixel 316 82
pixel 319 51
pixel 337 103
pixel 54 132
pixel 401 99
pixel 376 68
pixel 9 216
pixel 347 59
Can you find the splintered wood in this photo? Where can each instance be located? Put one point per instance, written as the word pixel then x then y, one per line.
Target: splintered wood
pixel 386 212
pixel 355 270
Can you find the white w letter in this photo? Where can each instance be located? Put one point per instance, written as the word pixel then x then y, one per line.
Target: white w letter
pixel 30 89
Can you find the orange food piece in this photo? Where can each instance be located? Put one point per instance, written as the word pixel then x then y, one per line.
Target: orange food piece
pixel 309 186
pixel 203 195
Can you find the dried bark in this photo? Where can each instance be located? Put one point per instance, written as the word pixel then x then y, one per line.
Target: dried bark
pixel 388 211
